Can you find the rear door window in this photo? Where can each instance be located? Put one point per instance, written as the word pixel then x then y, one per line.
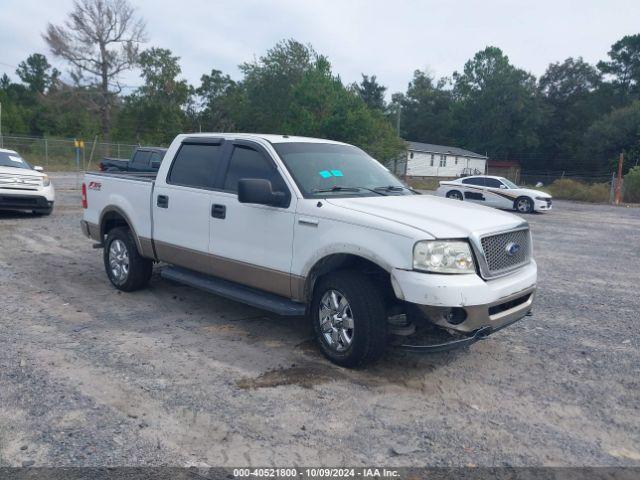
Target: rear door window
pixel 246 162
pixel 141 158
pixel 195 165
pixel 474 181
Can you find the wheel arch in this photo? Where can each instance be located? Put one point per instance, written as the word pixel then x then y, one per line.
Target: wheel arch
pixel 113 217
pixel 342 261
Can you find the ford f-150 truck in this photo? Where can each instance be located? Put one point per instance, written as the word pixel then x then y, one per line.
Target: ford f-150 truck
pixel 144 159
pixel 302 226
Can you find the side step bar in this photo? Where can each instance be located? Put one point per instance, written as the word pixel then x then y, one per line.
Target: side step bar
pixel 234 291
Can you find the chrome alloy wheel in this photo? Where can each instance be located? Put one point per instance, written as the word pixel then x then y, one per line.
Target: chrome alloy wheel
pixel 119 261
pixel 455 195
pixel 336 320
pixel 524 205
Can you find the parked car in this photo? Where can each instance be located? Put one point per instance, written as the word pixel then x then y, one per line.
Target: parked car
pixel 144 159
pixel 301 226
pixel 496 192
pixel 23 187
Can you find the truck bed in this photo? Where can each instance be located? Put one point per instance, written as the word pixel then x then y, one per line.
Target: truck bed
pixel 127 193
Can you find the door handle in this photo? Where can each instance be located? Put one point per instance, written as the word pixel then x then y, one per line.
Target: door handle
pixel 162 201
pixel 218 211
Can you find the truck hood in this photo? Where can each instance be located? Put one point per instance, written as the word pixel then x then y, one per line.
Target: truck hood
pixel 437 216
pixel 20 171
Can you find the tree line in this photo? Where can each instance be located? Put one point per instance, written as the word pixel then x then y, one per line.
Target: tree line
pixel 575 117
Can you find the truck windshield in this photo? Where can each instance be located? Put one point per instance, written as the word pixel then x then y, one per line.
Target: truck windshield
pixel 12 159
pixel 327 169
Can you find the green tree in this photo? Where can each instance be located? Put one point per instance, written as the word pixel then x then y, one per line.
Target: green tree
pixel 37 73
pixel 220 99
pixel 268 84
pixel 371 92
pixel 155 112
pixel 426 114
pixel 632 185
pixel 496 108
pixel 572 103
pixel 624 64
pixel 323 107
pixel 615 133
pixel 292 90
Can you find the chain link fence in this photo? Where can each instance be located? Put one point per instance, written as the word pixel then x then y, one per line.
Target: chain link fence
pixel 56 154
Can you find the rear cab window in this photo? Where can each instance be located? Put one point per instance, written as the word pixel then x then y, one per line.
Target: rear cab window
pixel 141 158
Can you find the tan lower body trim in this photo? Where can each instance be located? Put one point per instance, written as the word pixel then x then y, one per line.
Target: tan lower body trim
pixel 266 279
pixel 146 248
pixel 91 230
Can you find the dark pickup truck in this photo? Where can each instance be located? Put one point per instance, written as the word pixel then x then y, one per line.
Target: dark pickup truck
pixel 144 159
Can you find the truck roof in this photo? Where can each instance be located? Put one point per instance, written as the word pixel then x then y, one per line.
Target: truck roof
pixel 264 136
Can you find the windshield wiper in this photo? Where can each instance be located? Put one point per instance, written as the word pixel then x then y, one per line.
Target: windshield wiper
pixel 337 188
pixel 396 188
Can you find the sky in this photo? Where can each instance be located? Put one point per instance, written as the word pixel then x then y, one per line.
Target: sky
pixel 389 39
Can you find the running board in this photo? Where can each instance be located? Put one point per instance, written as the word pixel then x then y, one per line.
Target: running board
pixel 234 291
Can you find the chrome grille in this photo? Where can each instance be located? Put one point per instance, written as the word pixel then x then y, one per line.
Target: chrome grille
pixel 495 251
pixel 20 182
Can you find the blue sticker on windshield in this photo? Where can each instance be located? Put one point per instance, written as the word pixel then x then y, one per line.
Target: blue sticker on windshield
pixel 325 173
pixel 336 173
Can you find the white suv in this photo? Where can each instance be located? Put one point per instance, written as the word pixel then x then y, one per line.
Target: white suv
pixel 23 187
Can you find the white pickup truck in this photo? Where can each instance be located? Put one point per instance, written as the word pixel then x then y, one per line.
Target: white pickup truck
pixel 302 226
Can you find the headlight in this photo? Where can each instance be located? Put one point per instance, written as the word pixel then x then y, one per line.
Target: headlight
pixel 46 181
pixel 443 257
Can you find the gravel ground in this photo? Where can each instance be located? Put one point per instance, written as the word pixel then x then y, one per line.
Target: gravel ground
pixel 172 376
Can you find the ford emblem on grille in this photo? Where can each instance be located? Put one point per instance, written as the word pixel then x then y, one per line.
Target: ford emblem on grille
pixel 512 248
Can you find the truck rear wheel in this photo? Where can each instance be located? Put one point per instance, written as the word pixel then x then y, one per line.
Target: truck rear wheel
pixel 348 317
pixel 126 269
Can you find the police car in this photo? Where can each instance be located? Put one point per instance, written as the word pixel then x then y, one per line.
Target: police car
pixel 495 192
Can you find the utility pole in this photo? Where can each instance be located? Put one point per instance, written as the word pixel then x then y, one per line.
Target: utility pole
pixel 619 180
pixel 398 118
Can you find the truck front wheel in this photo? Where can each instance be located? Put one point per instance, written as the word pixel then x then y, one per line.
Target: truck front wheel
pixel 348 317
pixel 126 269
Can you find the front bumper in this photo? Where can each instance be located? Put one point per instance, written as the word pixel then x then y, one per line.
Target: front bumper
pixel 467 303
pixel 542 205
pixel 24 202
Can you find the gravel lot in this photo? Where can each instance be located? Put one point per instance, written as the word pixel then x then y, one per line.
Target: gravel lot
pixel 172 376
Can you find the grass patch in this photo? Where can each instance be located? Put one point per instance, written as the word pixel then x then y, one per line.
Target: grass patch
pixel 567 189
pixel 429 183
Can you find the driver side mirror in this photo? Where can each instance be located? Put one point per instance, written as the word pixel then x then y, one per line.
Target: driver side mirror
pixel 503 187
pixel 38 169
pixel 259 191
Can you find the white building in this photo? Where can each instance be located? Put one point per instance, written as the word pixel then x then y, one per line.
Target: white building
pixel 427 160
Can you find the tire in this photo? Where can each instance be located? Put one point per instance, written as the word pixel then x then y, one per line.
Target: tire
pixel 365 310
pixel 129 271
pixel 523 205
pixel 455 195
